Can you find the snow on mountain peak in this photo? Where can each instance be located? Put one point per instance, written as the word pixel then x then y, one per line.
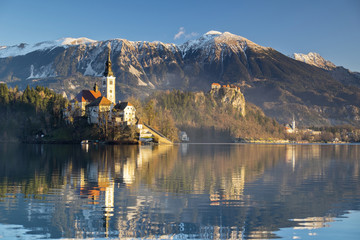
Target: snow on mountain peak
pixel 315 59
pixel 75 41
pixel 23 48
pixel 212 32
pixel 216 38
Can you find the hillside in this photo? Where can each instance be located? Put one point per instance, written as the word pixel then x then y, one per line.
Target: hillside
pixel 219 115
pixel 278 84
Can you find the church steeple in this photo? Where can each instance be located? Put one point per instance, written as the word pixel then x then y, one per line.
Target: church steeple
pixel 108 81
pixel 108 71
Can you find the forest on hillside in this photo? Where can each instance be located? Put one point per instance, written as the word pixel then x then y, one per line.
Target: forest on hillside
pixel 36 112
pixel 33 112
pixel 204 118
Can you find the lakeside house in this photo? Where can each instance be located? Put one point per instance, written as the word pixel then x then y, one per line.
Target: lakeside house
pixel 183 137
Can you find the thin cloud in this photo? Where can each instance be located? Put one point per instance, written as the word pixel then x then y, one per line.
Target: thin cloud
pixel 182 34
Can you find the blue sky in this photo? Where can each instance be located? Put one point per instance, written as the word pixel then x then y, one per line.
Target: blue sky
pixel 331 28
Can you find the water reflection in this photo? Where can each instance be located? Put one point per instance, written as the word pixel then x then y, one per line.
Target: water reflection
pixel 185 191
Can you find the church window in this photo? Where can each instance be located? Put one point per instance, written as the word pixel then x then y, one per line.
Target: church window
pixel 111 82
pixel 110 91
pixel 104 82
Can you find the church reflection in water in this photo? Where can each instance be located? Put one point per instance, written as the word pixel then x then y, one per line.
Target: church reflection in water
pixel 183 191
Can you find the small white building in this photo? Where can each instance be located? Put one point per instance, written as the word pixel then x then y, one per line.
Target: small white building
pixel 124 112
pixel 144 134
pixel 183 137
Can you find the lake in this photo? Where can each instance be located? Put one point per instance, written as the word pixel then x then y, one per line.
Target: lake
pixel 187 191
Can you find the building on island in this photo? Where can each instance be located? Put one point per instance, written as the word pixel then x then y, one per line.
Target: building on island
pixel 108 80
pixel 144 133
pixel 100 106
pixel 100 109
pixel 83 98
pixel 124 112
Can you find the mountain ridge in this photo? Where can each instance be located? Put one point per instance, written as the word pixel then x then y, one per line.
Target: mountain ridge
pixel 315 59
pixel 280 85
pixel 339 73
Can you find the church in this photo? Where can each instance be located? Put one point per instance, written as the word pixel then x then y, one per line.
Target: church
pixel 100 106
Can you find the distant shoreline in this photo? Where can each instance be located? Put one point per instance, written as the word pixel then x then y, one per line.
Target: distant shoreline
pixel 180 143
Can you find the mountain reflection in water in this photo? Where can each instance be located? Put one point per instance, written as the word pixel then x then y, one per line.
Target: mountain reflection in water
pixel 182 191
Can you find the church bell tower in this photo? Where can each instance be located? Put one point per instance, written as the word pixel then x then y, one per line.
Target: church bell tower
pixel 108 80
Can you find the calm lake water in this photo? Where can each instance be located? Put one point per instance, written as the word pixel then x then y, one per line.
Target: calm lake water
pixel 188 191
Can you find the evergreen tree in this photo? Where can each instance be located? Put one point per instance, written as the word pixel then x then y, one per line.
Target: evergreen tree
pixel 4 94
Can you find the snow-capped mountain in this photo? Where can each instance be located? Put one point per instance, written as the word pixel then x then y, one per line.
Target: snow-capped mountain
pixel 314 59
pixel 23 48
pixel 210 39
pixel 282 86
pixel 341 74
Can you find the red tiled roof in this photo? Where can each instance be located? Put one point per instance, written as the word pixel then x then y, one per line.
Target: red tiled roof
pixel 215 84
pixel 87 96
pixel 100 101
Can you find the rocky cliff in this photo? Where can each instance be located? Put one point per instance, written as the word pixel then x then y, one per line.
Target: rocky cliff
pixel 229 95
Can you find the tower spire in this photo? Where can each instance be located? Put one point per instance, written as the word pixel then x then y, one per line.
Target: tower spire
pixel 108 71
pixel 108 81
